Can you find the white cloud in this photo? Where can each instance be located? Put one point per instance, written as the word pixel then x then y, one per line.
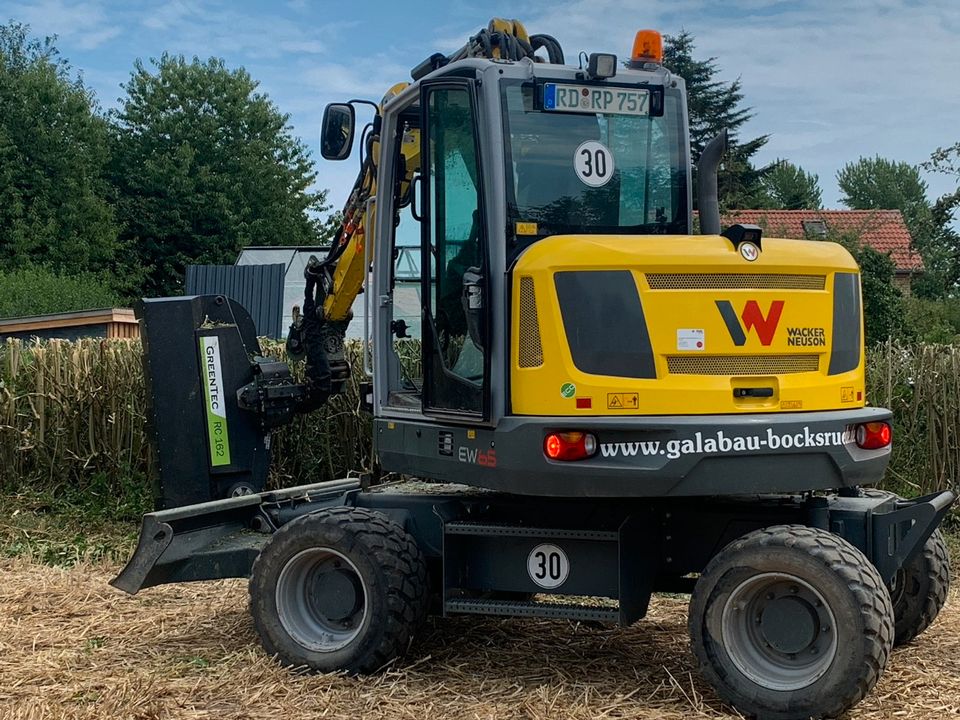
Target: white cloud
pixel 85 22
pixel 830 80
pixel 224 29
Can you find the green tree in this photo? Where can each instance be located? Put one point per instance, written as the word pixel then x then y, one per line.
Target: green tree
pixel 789 187
pixel 53 153
pixel 205 165
pixel 715 104
pixel 882 301
pixel 877 183
pixel 941 252
pixel 880 184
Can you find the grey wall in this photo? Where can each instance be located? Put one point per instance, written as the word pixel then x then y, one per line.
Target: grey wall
pixel 259 288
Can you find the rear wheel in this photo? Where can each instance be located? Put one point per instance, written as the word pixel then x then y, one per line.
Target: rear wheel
pixel 341 589
pixel 920 589
pixel 790 622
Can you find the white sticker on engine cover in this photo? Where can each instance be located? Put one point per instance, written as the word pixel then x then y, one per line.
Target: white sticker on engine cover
pixel 690 339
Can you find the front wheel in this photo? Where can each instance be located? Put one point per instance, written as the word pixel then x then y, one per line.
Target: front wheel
pixel 340 589
pixel 791 622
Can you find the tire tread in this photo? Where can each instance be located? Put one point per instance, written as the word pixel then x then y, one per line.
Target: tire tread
pixel 935 563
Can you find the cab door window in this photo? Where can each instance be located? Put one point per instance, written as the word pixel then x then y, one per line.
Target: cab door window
pixel 454 347
pixel 402 307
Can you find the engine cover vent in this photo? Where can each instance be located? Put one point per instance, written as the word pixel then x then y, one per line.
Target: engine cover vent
pixel 734 281
pixel 531 349
pixel 742 364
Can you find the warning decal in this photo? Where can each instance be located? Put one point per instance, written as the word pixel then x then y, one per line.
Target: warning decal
pixel 623 401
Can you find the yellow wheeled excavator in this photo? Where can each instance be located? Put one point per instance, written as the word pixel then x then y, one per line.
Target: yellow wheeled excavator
pixel 603 402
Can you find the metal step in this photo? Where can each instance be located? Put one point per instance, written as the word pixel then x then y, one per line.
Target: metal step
pixel 478 529
pixel 530 608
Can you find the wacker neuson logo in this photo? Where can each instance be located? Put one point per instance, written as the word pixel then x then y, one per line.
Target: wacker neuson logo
pixel 719 443
pixel 751 318
pixel 216 410
pixel 806 337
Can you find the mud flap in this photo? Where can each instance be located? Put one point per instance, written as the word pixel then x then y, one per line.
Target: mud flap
pixel 898 535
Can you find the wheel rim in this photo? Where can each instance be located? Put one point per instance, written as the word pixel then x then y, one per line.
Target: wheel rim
pixel 779 631
pixel 321 599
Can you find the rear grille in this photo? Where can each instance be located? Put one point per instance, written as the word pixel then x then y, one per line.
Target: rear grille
pixel 741 364
pixel 531 350
pixel 734 281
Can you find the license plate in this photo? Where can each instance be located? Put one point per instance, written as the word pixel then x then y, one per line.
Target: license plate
pixel 593 99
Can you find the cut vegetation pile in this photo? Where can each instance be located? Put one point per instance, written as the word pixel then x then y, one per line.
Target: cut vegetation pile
pixel 72 647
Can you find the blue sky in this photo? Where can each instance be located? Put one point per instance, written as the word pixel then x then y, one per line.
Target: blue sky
pixel 829 80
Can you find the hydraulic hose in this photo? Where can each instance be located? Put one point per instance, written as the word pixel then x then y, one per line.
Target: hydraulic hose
pixel 317 370
pixel 550 44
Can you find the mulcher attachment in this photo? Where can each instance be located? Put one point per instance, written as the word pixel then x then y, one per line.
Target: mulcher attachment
pixel 197 354
pixel 213 399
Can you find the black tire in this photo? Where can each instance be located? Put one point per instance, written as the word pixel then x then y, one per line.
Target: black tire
pixel 920 590
pixel 341 589
pixel 791 622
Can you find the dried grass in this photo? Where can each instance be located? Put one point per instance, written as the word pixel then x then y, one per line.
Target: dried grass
pixel 72 647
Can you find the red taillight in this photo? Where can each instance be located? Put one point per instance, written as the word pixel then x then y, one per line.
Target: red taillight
pixel 874 435
pixel 569 446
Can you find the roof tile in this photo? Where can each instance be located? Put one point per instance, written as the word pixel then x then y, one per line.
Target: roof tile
pixel 883 230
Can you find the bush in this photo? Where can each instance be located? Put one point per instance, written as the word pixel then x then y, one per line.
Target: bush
pixel 920 383
pixel 36 291
pixel 931 321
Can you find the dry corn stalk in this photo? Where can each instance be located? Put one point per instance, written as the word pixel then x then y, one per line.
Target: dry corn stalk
pixel 71 410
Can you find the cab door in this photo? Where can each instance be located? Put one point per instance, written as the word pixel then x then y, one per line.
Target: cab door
pixel 456 361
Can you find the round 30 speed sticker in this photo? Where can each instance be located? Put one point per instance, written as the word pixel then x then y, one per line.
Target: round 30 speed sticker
pixel 594 163
pixel 548 565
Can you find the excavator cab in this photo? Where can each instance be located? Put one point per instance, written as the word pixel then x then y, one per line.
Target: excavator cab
pixel 482 161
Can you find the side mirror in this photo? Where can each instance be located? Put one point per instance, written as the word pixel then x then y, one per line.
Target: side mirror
pixel 336 134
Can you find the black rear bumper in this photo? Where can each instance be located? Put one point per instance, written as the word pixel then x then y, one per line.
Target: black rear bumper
pixel 644 456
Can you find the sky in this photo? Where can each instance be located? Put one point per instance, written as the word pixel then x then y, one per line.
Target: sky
pixel 828 80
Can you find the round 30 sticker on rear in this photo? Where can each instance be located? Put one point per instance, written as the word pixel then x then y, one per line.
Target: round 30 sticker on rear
pixel 548 565
pixel 594 163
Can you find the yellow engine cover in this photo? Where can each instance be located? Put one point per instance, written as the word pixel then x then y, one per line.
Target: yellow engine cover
pixel 684 325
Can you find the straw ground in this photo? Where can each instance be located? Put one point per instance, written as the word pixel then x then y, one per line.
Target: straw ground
pixel 72 647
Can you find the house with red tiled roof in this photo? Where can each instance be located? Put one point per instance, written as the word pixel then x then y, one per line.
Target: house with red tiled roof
pixel 883 230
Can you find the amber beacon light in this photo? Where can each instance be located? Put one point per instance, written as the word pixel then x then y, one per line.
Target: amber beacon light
pixel 647 48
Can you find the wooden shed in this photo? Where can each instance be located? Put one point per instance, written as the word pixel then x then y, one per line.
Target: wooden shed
pixel 104 323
